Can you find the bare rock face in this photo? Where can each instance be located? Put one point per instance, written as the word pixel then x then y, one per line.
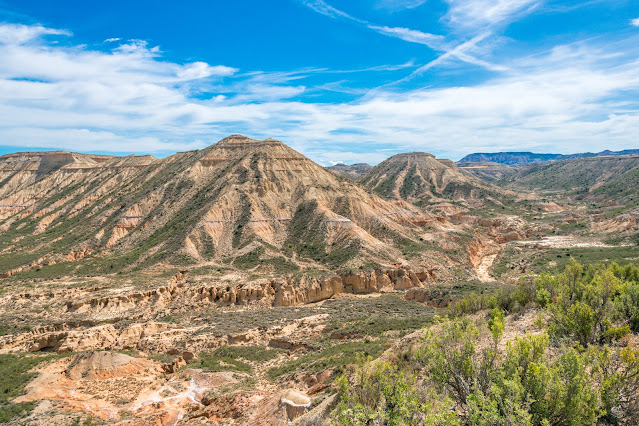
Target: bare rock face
pixel 93 338
pixel 173 367
pixel 320 415
pixel 109 365
pixel 289 293
pixel 76 340
pixel 149 335
pixel 296 403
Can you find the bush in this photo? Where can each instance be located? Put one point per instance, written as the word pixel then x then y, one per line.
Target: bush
pixel 525 384
pixel 590 306
pixel 582 380
pixel 384 394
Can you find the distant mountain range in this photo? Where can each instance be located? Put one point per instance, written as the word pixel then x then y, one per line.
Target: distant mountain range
pixel 511 158
pixel 606 179
pixel 353 171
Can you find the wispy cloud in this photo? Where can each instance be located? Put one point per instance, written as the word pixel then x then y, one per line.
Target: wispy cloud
pixel 413 36
pixel 433 41
pixel 572 98
pixel 399 4
pixel 20 34
pixel 635 22
pixel 473 14
pixel 320 6
pixel 460 51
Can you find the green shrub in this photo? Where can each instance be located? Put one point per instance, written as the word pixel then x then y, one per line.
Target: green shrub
pixel 385 394
pixel 214 362
pixel 526 385
pixel 248 353
pixel 588 305
pixel 582 380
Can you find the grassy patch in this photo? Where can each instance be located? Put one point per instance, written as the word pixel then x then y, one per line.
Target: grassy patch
pixel 555 260
pixel 248 353
pixel 14 376
pixel 379 325
pixel 229 358
pixel 213 363
pixel 250 259
pixel 331 357
pixel 306 238
pixel 587 255
pixel 281 265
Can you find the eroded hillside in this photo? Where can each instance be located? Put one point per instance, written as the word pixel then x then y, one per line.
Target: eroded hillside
pixel 422 179
pixel 240 202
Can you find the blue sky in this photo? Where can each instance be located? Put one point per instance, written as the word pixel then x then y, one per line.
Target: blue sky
pixel 340 81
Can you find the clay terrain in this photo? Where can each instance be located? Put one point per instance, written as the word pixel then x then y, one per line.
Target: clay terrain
pixel 236 284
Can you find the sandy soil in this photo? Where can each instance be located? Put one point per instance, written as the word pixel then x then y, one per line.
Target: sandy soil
pixel 483 269
pixel 563 241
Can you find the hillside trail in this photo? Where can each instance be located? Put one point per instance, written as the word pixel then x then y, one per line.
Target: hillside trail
pixel 483 269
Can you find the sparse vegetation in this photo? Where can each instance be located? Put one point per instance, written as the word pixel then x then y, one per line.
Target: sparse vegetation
pixel 14 375
pixel 230 358
pixel 236 220
pixel 334 356
pixel 587 377
pixel 212 362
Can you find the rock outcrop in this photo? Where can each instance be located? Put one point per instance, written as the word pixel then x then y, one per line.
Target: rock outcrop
pixel 295 403
pixel 178 296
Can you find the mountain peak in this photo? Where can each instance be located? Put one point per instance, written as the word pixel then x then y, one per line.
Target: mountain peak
pixel 241 140
pixel 235 139
pixel 422 179
pixel 412 155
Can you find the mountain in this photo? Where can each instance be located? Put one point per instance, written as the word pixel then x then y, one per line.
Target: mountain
pixel 604 190
pixel 241 202
pixel 353 171
pixel 513 158
pixel 613 175
pixel 422 179
pixel 486 170
pixel 508 157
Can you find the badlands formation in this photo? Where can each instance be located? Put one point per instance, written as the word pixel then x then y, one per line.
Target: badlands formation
pixel 234 284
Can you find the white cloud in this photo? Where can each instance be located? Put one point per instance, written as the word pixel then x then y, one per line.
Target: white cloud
pixel 571 99
pixel 20 34
pixel 399 4
pixel 458 52
pixel 197 70
pixel 635 22
pixel 89 140
pixel 409 35
pixel 414 36
pixel 111 40
pixel 434 41
pixel 472 14
pixel 320 6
